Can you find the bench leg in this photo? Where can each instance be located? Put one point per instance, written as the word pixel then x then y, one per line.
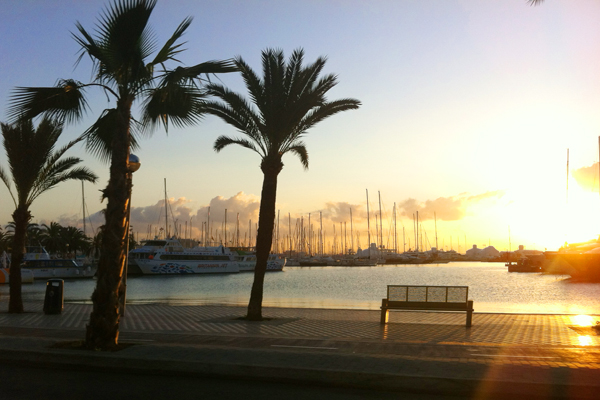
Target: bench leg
pixel 384 312
pixel 469 313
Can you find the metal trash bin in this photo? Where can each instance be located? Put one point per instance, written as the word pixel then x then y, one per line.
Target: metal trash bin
pixel 53 302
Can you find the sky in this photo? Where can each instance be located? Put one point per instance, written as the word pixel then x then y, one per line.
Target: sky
pixel 469 109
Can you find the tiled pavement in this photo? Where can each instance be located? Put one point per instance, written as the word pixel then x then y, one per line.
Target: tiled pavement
pixel 557 351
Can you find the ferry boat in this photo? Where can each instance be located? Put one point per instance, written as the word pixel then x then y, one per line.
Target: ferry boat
pixel 199 260
pixel 148 249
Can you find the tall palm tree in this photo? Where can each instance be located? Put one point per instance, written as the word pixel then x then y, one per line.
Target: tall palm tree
pixel 286 103
pixel 35 168
pixel 124 70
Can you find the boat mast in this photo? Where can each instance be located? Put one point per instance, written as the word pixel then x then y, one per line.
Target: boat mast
pixel 321 248
pixel 351 230
pixel 380 223
pixel 435 219
pixel 415 230
pixel 277 246
pixel 207 238
pixel 309 235
pixel 368 226
pixel 395 231
pixel 166 213
pixel 83 205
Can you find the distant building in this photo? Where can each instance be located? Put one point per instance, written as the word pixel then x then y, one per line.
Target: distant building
pixel 526 253
pixel 482 254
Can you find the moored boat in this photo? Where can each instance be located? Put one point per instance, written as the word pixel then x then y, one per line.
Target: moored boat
pixel 26 275
pixel 60 269
pixel 199 260
pixel 524 264
pixel 247 261
pixel 148 248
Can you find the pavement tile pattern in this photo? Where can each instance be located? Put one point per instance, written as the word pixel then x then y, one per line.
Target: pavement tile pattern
pixel 405 327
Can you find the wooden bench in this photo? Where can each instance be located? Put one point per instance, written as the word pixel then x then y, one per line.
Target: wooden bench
pixel 427 298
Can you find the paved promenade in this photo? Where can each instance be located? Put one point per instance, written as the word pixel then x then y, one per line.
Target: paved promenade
pixel 543 356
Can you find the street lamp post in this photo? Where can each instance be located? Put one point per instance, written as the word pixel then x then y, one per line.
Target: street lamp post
pixel 132 166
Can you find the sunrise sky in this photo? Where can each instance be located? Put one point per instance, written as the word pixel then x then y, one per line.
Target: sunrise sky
pixel 468 109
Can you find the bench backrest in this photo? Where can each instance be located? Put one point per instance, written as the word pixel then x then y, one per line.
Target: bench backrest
pixel 428 294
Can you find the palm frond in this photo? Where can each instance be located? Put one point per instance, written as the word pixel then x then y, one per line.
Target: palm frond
pixel 123 42
pixel 253 82
pixel 59 175
pixel 27 150
pixel 223 141
pixel 205 69
pixel 300 150
pixel 170 48
pixel 325 111
pixel 64 102
pixel 287 101
pixel 98 137
pixel 236 111
pixel 6 180
pixel 182 104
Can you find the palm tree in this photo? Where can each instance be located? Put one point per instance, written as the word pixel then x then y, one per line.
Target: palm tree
pixel 286 103
pixel 74 240
pixel 51 237
pixel 35 168
pixel 124 70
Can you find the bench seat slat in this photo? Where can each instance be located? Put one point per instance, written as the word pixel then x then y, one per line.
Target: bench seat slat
pixel 427 305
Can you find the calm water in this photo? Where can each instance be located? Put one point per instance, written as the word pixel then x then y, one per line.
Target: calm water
pixel 491 288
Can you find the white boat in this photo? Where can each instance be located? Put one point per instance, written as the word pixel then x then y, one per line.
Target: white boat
pixel 199 260
pixel 26 275
pixel 37 264
pixel 247 261
pixel 60 269
pixel 35 253
pixel 148 248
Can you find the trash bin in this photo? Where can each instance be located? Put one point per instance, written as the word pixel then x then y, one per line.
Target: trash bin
pixel 53 302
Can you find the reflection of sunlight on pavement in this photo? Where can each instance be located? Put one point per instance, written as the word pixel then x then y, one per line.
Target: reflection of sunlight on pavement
pixel 585 340
pixel 583 320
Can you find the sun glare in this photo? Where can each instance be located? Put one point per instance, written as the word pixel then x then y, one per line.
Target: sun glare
pixel 585 340
pixel 583 320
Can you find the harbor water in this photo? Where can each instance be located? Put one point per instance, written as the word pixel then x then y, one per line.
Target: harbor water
pixel 491 287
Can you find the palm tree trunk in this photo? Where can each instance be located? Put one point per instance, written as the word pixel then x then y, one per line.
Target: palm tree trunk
pixel 21 216
pixel 264 239
pixel 103 328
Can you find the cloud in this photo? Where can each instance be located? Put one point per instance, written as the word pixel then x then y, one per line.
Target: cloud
pixel 191 221
pixel 587 177
pixel 340 212
pixel 445 208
